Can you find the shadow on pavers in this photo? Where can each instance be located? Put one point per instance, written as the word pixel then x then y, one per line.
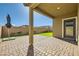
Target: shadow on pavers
pixel 30 50
pixel 8 39
pixel 67 40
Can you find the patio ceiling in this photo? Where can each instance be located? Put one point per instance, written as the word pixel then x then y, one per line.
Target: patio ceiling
pixel 54 9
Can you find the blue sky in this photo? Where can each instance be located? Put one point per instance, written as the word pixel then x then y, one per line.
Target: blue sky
pixel 20 15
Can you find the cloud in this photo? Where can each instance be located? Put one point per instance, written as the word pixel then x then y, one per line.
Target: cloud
pixel 13 25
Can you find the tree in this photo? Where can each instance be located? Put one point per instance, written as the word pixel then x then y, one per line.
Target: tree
pixel 8 25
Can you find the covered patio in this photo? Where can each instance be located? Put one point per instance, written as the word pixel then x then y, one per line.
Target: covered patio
pixel 57 45
pixel 62 14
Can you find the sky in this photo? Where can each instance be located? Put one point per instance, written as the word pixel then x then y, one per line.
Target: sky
pixel 20 15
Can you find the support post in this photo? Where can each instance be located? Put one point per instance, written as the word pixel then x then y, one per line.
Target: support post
pixel 52 28
pixel 78 25
pixel 30 26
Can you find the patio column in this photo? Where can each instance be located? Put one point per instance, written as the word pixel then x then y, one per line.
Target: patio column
pixel 78 24
pixel 1 34
pixel 30 26
pixel 52 28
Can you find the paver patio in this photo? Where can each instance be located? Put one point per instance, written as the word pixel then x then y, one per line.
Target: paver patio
pixel 43 46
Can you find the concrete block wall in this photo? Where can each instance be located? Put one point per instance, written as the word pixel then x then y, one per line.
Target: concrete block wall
pixel 22 30
pixel 14 31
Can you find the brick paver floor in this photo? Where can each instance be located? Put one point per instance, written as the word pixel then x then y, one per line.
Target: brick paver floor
pixel 43 46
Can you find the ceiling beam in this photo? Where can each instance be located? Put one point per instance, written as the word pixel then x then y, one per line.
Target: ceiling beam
pixel 34 5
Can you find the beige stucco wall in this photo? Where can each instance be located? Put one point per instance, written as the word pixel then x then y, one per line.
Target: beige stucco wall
pixel 58 24
pixel 57 27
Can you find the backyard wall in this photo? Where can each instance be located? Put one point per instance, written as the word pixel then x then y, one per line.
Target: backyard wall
pixel 15 31
pixel 23 30
pixel 42 29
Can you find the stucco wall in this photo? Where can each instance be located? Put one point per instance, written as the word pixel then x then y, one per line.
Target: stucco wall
pixel 57 26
